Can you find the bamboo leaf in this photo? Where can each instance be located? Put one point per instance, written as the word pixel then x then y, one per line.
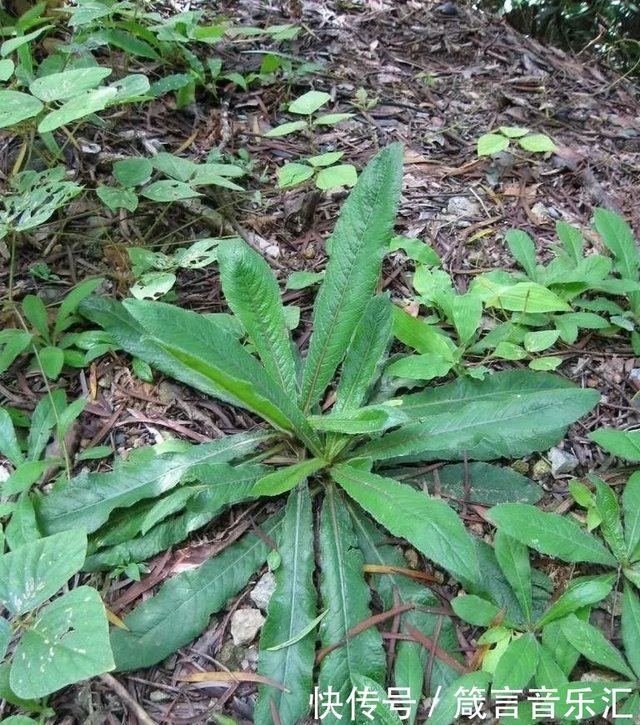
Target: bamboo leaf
pixel 358 244
pixel 293 606
pixel 252 292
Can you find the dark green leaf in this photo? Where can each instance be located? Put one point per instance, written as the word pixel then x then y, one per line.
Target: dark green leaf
pixel 610 522
pixel 180 610
pixel 404 512
pixel 517 665
pixel 252 292
pixel 631 627
pixel 358 244
pixel 87 500
pixel 8 442
pixel 631 510
pixel 292 607
pixel 346 596
pixel 524 251
pixel 35 311
pixel 475 610
pixel 513 557
pixel 622 443
pixel 581 592
pixel 549 533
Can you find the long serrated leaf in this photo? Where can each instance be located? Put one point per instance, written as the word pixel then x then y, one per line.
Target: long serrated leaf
pixel 549 533
pixel 593 645
pixel 365 354
pixel 618 237
pixel 292 607
pixel 517 665
pixel 196 351
pixel 610 523
pixel 284 479
pixel 426 522
pixel 346 595
pixel 513 557
pixel 88 500
pixel 358 244
pixel 180 610
pixel 485 429
pixel 252 292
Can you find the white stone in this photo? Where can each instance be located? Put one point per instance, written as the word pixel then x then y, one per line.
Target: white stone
pixel 562 462
pixel 245 625
pixel 261 593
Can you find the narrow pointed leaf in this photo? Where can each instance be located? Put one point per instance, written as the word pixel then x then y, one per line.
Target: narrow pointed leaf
pixel 346 595
pixel 87 500
pixel 581 592
pixel 593 645
pixel 513 557
pixel 252 292
pixel 631 510
pixel 180 610
pixel 9 446
pixel 356 421
pixel 517 665
pixel 292 607
pixel 426 522
pixel 196 351
pixel 358 244
pixel 549 533
pixel 609 511
pixel 284 479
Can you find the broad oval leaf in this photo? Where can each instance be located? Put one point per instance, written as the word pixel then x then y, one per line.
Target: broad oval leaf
pixel 309 102
pixel 491 143
pixel 67 643
pixel 78 107
pixel 69 83
pixel 426 522
pixel 292 608
pixel 549 533
pixel 358 244
pixel 35 571
pixel 16 107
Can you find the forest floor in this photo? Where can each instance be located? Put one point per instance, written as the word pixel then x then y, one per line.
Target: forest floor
pixel 436 76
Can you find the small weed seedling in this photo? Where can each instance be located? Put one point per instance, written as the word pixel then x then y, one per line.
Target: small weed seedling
pixel 494 143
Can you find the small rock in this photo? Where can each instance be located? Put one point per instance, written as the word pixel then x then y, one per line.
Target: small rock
pixel 562 462
pixel 541 469
pixel 261 593
pixel 634 378
pixel 250 661
pixel 159 695
pixel 245 625
pixel 230 656
pixel 447 8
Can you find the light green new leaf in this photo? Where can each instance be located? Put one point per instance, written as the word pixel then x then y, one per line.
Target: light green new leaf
pixel 549 533
pixel 610 523
pixel 69 83
pixel 65 316
pixel 593 645
pixel 34 572
pixel 513 557
pixel 284 479
pixel 67 643
pixel 357 421
pixel 331 119
pixel 78 107
pixel 528 297
pixel 346 595
pixel 16 107
pixel 517 665
pixel 309 102
pixel 484 429
pixel 631 510
pixel 252 292
pixel 524 251
pixel 364 355
pixel 466 314
pixel 622 443
pixel 581 592
pixel 335 176
pixel 87 500
pixel 293 174
pixel 9 446
pixel 538 143
pixel 36 312
pixel 491 143
pixel 631 627
pixel 116 198
pixel 426 522
pixel 618 237
pixel 292 607
pixel 284 129
pixel 133 171
pixel 168 190
pixel 181 609
pixel 196 351
pixel 358 244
